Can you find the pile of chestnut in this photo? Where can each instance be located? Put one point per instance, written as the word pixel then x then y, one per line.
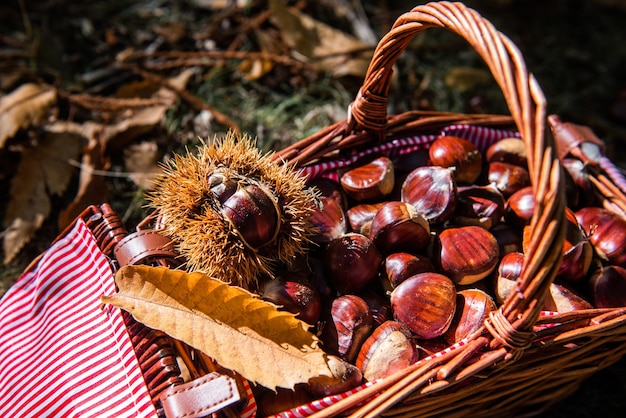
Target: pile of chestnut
pixel 413 253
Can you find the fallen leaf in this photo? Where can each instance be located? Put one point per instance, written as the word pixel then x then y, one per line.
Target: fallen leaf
pixel 237 329
pixel 43 171
pixel 25 106
pixel 327 48
pixel 141 162
pixel 253 69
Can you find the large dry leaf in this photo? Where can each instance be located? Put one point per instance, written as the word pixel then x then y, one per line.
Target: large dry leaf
pixel 25 106
pixel 43 171
pixel 231 325
pixel 327 48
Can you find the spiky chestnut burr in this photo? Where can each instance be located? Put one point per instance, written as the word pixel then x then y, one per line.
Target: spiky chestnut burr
pixel 232 212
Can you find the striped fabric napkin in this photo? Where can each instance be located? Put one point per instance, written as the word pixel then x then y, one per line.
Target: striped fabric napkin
pixel 63 353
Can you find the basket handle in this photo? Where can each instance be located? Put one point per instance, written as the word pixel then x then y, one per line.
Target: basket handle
pixel 511 325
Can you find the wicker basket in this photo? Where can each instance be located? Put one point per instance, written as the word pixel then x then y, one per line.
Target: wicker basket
pixel 522 360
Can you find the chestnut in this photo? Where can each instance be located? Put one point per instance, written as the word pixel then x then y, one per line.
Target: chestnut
pixel 509 270
pixel 425 303
pixel 400 266
pixel 479 205
pixel 221 186
pixel 253 212
pixel 398 227
pixel 360 216
pixel 390 348
pixel 458 153
pixel 467 254
pixel 329 221
pixel 352 262
pixel 347 322
pixel 508 150
pixel 577 251
pixel 520 207
pixel 563 299
pixel 345 376
pixel 607 233
pixel 331 189
pixel 432 191
pixel 369 181
pixel 472 308
pixel 507 177
pixel 608 287
pixel 295 294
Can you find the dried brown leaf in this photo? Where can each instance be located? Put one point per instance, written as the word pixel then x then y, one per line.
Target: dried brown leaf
pixel 327 48
pixel 25 106
pixel 238 330
pixel 43 171
pixel 141 162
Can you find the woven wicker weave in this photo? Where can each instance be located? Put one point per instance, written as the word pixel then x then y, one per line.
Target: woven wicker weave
pixel 520 362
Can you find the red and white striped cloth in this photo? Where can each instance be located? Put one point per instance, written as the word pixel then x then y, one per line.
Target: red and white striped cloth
pixel 480 136
pixel 63 353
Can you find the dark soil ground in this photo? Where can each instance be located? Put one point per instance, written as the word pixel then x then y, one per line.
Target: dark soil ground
pixel 575 49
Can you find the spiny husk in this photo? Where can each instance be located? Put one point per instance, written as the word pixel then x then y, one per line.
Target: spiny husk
pixel 204 237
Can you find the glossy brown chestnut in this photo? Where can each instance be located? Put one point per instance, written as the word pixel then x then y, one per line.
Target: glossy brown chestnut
pixel 221 186
pixel 390 348
pixel 509 270
pixel 432 191
pixel 520 207
pixel 398 227
pixel 329 221
pixel 607 233
pixel 352 262
pixel 360 216
pixel 562 299
pixel 425 303
pixel 467 254
pixel 372 180
pixel 330 188
pixel 608 287
pixel 345 376
pixel 472 308
pixel 457 153
pixel 577 251
pixel 348 322
pixel 508 150
pixel 401 266
pixel 479 205
pixel 507 177
pixel 293 293
pixel 254 214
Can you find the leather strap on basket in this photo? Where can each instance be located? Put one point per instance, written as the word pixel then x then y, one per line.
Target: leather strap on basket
pixel 200 397
pixel 144 244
